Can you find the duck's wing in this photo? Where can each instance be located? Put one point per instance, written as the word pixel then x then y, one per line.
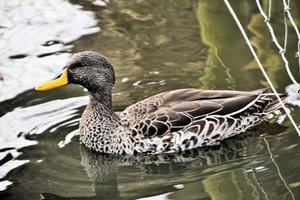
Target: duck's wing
pixel 176 110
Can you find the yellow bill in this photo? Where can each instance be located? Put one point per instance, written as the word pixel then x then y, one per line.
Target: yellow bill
pixel 55 83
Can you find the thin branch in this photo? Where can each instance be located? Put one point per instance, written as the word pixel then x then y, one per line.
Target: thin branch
pixel 270 10
pixel 286 31
pixel 287 12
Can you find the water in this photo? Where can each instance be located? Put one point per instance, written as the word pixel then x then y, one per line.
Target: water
pixel 154 46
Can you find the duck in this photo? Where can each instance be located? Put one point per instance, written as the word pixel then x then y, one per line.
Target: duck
pixel 168 122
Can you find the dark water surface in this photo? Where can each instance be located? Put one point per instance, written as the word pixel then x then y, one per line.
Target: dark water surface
pixel 154 46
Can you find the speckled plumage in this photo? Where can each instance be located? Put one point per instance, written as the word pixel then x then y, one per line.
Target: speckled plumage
pixel 168 122
pixel 173 121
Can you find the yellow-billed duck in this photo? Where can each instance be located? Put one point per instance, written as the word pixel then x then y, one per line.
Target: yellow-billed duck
pixel 168 122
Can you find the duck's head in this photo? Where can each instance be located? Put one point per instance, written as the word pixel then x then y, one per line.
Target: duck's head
pixel 88 69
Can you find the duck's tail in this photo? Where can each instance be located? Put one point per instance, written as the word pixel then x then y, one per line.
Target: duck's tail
pixel 274 102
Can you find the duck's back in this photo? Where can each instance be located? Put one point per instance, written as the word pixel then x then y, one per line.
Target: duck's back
pixel 188 118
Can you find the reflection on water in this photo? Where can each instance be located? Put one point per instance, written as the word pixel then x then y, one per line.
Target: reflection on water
pixel 17 126
pixel 224 42
pixel 178 44
pixel 134 177
pixel 31 33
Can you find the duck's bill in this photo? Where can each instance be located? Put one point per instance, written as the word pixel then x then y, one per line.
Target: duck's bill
pixel 55 83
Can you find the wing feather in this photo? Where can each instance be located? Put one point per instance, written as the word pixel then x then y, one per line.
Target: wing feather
pixel 176 110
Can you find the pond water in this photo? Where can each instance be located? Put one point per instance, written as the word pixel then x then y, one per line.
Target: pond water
pixel 154 46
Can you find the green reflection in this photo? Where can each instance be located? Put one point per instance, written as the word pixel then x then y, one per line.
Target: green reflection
pixel 266 49
pixel 228 54
pixel 229 57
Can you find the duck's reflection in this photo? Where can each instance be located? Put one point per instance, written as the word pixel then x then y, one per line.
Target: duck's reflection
pixel 132 177
pixel 102 171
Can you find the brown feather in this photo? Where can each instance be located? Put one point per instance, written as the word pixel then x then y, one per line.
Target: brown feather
pixel 176 110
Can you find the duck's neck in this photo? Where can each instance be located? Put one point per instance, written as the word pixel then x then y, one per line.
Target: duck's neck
pixel 98 123
pixel 103 99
